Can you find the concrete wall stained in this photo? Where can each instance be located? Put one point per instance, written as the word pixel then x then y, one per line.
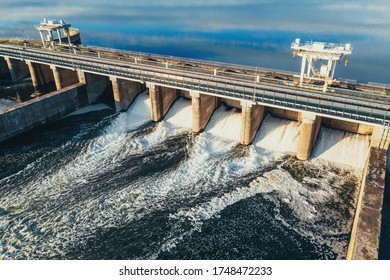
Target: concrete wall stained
pixel 96 85
pixel 161 99
pixel 203 107
pixel 22 117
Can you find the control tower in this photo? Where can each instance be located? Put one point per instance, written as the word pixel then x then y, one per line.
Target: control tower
pixel 57 31
pixel 318 51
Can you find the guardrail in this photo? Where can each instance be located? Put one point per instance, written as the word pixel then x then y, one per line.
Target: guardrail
pixel 352 105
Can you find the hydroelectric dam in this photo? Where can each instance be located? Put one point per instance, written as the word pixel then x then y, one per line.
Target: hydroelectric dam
pixel 80 75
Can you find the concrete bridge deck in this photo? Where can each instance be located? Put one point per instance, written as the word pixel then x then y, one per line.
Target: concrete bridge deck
pixel 221 80
pixel 80 74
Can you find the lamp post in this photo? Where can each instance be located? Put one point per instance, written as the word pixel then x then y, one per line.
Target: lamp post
pixel 255 84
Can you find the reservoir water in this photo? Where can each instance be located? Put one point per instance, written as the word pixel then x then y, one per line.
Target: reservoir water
pixel 105 185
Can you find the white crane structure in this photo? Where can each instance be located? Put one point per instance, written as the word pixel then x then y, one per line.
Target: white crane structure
pixel 318 51
pixel 56 26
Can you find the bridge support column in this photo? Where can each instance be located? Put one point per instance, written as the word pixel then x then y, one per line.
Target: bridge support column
pixel 81 77
pixel 57 77
pixel 11 68
pixel 161 99
pixel 310 127
pixel 115 90
pixel 64 77
pixel 34 76
pixel 251 118
pixel 96 84
pixel 125 92
pixel 203 107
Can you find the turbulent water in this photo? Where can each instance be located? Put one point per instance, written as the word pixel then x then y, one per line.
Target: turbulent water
pixel 101 185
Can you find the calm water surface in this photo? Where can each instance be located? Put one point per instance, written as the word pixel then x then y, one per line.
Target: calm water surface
pixel 249 32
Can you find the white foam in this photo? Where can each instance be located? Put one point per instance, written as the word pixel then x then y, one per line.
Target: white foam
pixel 225 124
pixel 278 180
pixel 278 135
pixel 342 147
pixel 90 108
pixel 180 114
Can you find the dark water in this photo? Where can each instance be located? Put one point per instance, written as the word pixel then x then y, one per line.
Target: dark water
pixel 116 186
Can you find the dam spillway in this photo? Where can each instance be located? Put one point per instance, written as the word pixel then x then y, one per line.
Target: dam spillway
pixel 188 189
pixel 128 75
pixel 160 173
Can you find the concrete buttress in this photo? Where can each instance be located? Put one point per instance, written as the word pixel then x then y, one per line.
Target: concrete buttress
pixel 251 118
pixel 310 127
pixel 203 107
pixel 161 99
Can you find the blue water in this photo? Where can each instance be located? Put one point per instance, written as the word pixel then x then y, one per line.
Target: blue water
pixel 250 32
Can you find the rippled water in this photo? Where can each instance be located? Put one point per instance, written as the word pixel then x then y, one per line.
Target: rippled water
pixel 250 32
pixel 117 186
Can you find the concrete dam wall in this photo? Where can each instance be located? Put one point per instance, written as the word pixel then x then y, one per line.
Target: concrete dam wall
pixel 33 113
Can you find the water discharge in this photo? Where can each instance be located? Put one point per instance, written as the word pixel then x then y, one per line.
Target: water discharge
pixel 133 189
pixel 342 147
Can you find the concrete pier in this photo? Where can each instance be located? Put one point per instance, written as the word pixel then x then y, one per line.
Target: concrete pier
pixel 116 93
pixel 64 77
pixel 34 75
pixel 310 126
pixel 203 107
pixel 124 92
pixel 251 118
pixel 96 84
pixel 45 74
pixel 16 68
pixel 161 99
pixel 40 75
pixel 57 77
pixel 11 68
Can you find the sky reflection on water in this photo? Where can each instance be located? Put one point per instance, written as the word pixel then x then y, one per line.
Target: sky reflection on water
pixel 251 32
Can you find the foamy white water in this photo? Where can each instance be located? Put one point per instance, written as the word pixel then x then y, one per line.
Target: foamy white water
pixel 203 164
pixel 225 124
pixel 180 114
pixel 279 135
pixel 276 180
pixel 98 156
pixel 342 147
pixel 89 108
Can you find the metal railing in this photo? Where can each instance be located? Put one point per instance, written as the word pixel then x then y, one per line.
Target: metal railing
pixel 352 105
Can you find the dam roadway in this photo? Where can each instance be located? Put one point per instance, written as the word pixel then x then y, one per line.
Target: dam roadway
pixel 82 74
pixel 217 79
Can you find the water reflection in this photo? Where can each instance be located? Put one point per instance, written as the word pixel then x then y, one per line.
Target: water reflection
pixel 248 32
